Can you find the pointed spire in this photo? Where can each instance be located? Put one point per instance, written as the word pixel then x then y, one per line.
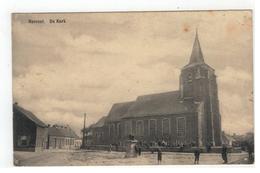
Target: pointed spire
pixel 196 54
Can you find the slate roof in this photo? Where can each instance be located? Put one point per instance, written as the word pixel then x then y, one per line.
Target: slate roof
pixel 160 104
pixel 196 54
pixel 167 103
pixel 118 110
pixel 29 115
pixel 196 57
pixel 60 131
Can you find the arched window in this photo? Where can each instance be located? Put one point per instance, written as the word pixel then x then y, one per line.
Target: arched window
pixel 111 130
pixel 189 78
pixel 198 73
pixel 119 133
pixel 181 126
pixel 128 128
pixel 165 127
pixel 140 128
pixel 152 127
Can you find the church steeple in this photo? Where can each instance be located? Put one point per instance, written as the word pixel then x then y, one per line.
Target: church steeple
pixel 196 54
pixel 198 84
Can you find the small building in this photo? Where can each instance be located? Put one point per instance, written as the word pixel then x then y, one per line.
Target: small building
pixel 29 132
pixel 77 143
pixel 61 137
pixel 228 139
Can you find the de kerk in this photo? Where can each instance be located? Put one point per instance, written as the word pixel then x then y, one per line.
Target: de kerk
pixel 188 116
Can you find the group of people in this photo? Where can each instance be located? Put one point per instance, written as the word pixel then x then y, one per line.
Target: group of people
pixel 138 150
pixel 197 151
pixel 196 155
pixel 156 147
pixel 224 152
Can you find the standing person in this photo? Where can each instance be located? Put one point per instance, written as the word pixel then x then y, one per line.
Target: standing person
pixel 224 154
pixel 136 149
pixel 197 155
pixel 110 147
pixel 250 150
pixel 207 147
pixel 139 150
pixel 159 156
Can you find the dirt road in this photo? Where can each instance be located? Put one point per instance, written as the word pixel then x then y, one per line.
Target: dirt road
pixel 83 158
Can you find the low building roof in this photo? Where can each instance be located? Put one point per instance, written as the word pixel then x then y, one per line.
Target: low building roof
pixel 100 122
pixel 118 110
pixel 29 115
pixel 62 131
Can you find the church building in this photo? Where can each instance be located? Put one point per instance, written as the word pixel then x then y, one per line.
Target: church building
pixel 189 115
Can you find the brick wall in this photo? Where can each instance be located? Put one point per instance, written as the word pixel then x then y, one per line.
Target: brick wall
pixel 190 134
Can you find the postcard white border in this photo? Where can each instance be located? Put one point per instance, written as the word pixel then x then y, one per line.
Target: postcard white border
pixel 9 6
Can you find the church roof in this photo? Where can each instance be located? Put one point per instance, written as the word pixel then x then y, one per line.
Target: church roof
pixel 159 104
pixel 196 54
pixel 118 110
pixel 29 115
pixel 100 122
pixel 166 103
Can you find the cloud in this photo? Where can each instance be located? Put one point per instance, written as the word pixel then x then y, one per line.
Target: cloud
pixel 236 86
pixel 97 59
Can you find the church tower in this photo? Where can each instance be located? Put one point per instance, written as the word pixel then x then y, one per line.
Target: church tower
pixel 198 84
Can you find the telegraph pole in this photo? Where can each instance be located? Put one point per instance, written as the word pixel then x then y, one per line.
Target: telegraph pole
pixel 84 131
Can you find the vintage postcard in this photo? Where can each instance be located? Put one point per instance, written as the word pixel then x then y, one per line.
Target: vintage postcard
pixel 133 88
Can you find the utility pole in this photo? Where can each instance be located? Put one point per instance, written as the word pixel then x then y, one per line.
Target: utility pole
pixel 84 131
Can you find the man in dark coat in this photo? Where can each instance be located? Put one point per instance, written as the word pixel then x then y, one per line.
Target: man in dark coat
pixel 197 155
pixel 136 149
pixel 250 150
pixel 139 150
pixel 159 156
pixel 224 154
pixel 208 147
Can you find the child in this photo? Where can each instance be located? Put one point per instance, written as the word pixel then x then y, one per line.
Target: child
pixel 197 156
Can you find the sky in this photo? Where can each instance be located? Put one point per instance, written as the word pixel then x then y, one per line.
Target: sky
pixel 63 70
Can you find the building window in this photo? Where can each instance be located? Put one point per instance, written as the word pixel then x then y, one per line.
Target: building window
pixel 119 133
pixel 189 78
pixel 128 128
pixel 181 126
pixel 140 128
pixel 111 130
pixel 23 141
pixel 152 127
pixel 198 74
pixel 165 127
pixel 55 143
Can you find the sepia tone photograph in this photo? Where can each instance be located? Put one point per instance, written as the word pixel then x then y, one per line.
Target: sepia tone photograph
pixel 133 88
